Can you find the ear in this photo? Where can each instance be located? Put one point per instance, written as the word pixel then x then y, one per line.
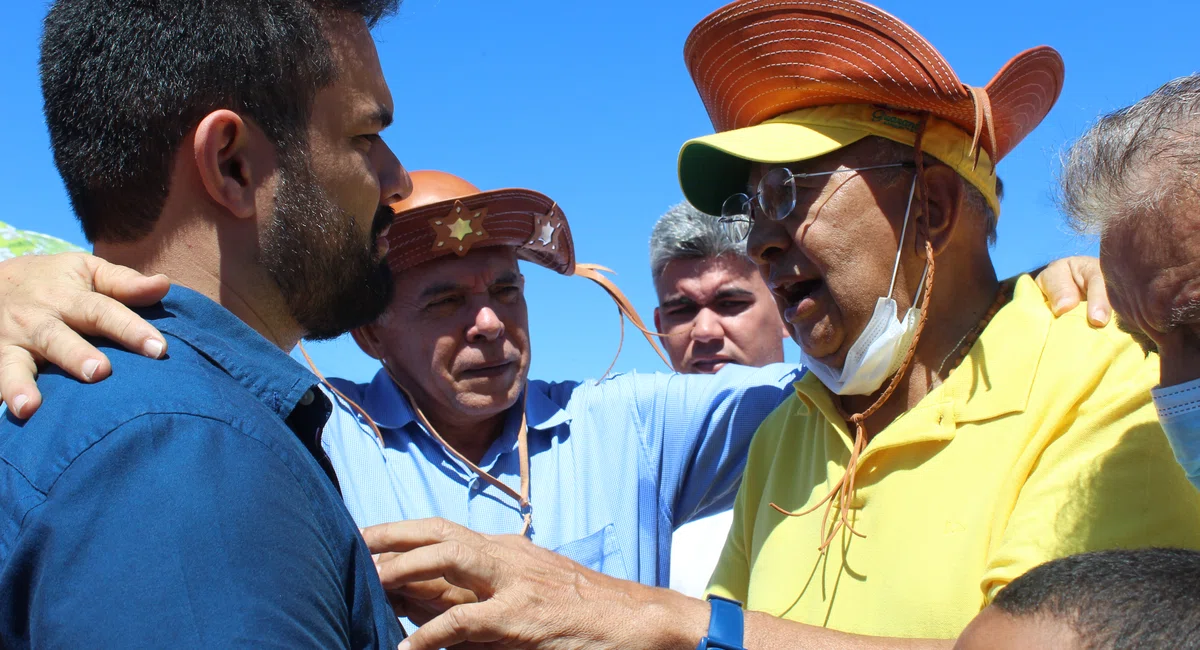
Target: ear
pixel 226 164
pixel 947 193
pixel 657 321
pixel 367 341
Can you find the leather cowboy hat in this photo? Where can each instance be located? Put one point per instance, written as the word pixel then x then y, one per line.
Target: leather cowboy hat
pixel 761 63
pixel 446 215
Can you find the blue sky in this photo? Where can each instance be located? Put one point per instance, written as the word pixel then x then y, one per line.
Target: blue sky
pixel 589 102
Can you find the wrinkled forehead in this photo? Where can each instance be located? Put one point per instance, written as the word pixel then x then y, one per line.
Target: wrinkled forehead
pixel 694 274
pixel 477 269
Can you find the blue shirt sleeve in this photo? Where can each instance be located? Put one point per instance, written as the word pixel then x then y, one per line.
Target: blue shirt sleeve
pixel 181 531
pixel 697 430
pixel 1179 414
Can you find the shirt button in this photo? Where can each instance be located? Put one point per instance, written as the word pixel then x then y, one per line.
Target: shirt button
pixel 308 398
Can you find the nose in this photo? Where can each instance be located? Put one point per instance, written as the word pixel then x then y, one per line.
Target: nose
pixel 394 183
pixel 768 239
pixel 707 327
pixel 487 327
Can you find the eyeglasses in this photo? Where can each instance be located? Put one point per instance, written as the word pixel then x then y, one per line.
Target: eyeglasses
pixel 776 198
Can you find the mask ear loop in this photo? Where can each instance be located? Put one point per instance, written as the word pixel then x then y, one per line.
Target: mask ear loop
pixel 903 234
pixel 844 488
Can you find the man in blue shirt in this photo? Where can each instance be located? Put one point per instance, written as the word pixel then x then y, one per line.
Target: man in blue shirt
pixel 601 472
pixel 1132 179
pixel 187 502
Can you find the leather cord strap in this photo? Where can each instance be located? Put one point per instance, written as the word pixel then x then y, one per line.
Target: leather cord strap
pixel 844 488
pixel 983 120
pixel 595 273
pixel 522 498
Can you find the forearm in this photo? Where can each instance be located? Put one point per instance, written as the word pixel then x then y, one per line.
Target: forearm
pixel 766 631
pixel 677 622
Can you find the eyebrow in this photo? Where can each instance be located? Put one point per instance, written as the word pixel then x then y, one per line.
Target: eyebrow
pixel 507 277
pixel 439 288
pixel 730 292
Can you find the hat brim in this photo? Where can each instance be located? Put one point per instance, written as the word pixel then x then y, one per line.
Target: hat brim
pixel 714 167
pixel 524 219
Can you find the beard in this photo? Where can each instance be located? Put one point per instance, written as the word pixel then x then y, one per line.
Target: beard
pixel 330 273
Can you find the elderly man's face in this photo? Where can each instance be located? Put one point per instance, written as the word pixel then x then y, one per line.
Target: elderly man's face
pixel 831 259
pixel 715 312
pixel 457 335
pixel 1151 263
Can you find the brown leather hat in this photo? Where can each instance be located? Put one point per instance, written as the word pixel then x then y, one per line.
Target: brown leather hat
pixel 446 215
pixel 753 60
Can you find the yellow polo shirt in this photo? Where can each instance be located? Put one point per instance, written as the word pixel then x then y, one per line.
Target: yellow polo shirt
pixel 1043 443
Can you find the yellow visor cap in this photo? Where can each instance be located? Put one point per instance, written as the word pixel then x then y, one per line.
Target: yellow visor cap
pixel 714 167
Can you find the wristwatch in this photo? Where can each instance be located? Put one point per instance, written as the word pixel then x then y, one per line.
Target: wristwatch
pixel 725 625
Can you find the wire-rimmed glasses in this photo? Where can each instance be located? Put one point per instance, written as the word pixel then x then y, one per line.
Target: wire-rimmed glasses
pixel 776 198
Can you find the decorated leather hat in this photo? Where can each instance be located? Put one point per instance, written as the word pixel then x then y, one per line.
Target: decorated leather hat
pixel 789 80
pixel 446 215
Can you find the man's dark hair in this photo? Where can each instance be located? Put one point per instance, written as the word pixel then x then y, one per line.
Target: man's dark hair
pixel 124 81
pixel 1116 599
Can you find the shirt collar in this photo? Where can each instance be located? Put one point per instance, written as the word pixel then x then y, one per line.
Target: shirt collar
pixel 390 409
pixel 995 378
pixel 272 376
pixel 541 412
pixel 384 402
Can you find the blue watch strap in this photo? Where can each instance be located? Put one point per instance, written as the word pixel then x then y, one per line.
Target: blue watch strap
pixel 725 625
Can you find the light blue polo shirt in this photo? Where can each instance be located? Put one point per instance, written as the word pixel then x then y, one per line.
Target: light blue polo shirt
pixel 615 466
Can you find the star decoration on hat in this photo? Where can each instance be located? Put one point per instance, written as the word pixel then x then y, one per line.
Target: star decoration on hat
pixel 460 229
pixel 545 230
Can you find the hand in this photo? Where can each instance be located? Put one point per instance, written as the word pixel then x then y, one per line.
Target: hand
pixel 46 299
pixel 528 597
pixel 420 602
pixel 1069 280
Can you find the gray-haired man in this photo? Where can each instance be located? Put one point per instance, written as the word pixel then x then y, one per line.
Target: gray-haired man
pixel 712 302
pixel 716 310
pixel 1134 179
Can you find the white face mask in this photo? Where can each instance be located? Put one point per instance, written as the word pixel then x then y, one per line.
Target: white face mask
pixel 877 353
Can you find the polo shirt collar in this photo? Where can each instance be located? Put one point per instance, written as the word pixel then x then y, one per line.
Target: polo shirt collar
pixel 390 409
pixel 995 378
pixel 384 402
pixel 541 412
pixel 267 372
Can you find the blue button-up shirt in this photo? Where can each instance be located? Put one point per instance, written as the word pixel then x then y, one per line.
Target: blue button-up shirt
pixel 182 503
pixel 615 467
pixel 1179 414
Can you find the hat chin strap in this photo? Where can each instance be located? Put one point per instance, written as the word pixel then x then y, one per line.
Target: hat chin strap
pixel 844 488
pixel 522 497
pixel 983 116
pixel 595 273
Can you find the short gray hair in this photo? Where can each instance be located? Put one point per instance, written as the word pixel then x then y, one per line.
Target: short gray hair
pixel 1134 159
pixel 687 233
